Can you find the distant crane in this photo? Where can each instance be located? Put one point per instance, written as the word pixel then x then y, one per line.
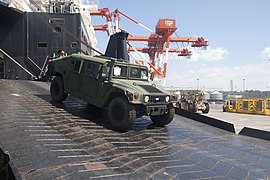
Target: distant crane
pixel 157 43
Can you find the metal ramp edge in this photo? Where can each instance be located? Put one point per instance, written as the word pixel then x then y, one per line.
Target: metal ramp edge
pixel 256 133
pixel 246 131
pixel 206 120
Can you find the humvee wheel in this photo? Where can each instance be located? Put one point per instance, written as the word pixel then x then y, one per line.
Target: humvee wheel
pixel 206 110
pixel 121 114
pixel 57 89
pixel 165 119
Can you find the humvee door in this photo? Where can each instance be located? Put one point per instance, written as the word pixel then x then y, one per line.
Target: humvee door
pixel 73 77
pixel 91 79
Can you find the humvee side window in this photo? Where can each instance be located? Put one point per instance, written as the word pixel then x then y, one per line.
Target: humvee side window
pixel 116 71
pixel 120 71
pixel 93 69
pixel 76 64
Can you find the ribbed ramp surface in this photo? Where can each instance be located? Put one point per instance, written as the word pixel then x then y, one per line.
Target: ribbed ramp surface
pixel 70 140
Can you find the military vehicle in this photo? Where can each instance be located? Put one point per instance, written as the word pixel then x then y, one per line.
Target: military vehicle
pixel 192 100
pixel 119 87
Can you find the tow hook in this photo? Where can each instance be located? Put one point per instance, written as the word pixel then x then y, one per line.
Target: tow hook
pixel 165 110
pixel 148 112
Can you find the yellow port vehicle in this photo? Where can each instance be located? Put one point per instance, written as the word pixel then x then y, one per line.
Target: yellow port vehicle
pixel 248 106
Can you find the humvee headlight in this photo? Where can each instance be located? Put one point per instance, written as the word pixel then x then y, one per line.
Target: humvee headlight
pixel 167 99
pixel 146 99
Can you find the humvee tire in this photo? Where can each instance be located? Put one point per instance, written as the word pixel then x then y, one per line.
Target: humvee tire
pixel 165 119
pixel 206 110
pixel 57 89
pixel 121 114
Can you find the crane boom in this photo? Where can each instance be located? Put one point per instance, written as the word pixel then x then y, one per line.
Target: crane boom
pixel 158 42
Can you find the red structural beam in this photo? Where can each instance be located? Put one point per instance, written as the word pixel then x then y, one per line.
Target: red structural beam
pixel 101 27
pixel 172 39
pixel 147 50
pixel 103 12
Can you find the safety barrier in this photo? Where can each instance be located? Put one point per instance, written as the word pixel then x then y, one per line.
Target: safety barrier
pixel 246 131
pixel 249 106
pixel 206 120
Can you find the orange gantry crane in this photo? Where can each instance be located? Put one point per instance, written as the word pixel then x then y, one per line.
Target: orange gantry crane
pixel 157 43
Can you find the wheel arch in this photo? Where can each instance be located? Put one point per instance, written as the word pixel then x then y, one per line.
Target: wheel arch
pixel 116 93
pixel 56 74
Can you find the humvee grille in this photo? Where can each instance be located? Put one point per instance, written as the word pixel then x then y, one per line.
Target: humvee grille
pixel 150 89
pixel 157 99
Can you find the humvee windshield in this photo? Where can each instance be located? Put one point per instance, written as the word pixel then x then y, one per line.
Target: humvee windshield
pixel 121 71
pixel 138 73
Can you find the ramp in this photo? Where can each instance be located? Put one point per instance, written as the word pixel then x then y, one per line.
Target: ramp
pixel 70 140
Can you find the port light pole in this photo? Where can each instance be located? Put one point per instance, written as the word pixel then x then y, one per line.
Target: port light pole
pixel 244 87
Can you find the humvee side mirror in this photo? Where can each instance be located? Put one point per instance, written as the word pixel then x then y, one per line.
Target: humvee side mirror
pixel 104 72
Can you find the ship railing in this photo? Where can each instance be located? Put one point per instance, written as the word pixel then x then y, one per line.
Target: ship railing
pixel 44 68
pixel 5 2
pixel 34 6
pixel 18 64
pixel 33 63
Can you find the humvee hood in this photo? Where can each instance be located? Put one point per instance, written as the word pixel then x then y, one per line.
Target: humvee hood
pixel 138 86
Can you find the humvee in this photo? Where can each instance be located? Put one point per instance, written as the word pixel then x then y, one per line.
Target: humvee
pixel 119 87
pixel 192 100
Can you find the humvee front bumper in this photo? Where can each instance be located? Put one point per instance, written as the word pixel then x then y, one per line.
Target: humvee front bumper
pixel 156 110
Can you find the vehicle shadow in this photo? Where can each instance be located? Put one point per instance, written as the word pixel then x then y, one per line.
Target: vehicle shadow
pixel 79 108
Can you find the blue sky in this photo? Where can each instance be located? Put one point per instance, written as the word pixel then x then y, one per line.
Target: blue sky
pixel 238 32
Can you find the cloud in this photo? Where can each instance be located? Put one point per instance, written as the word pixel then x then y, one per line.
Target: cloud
pixel 266 53
pixel 211 54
